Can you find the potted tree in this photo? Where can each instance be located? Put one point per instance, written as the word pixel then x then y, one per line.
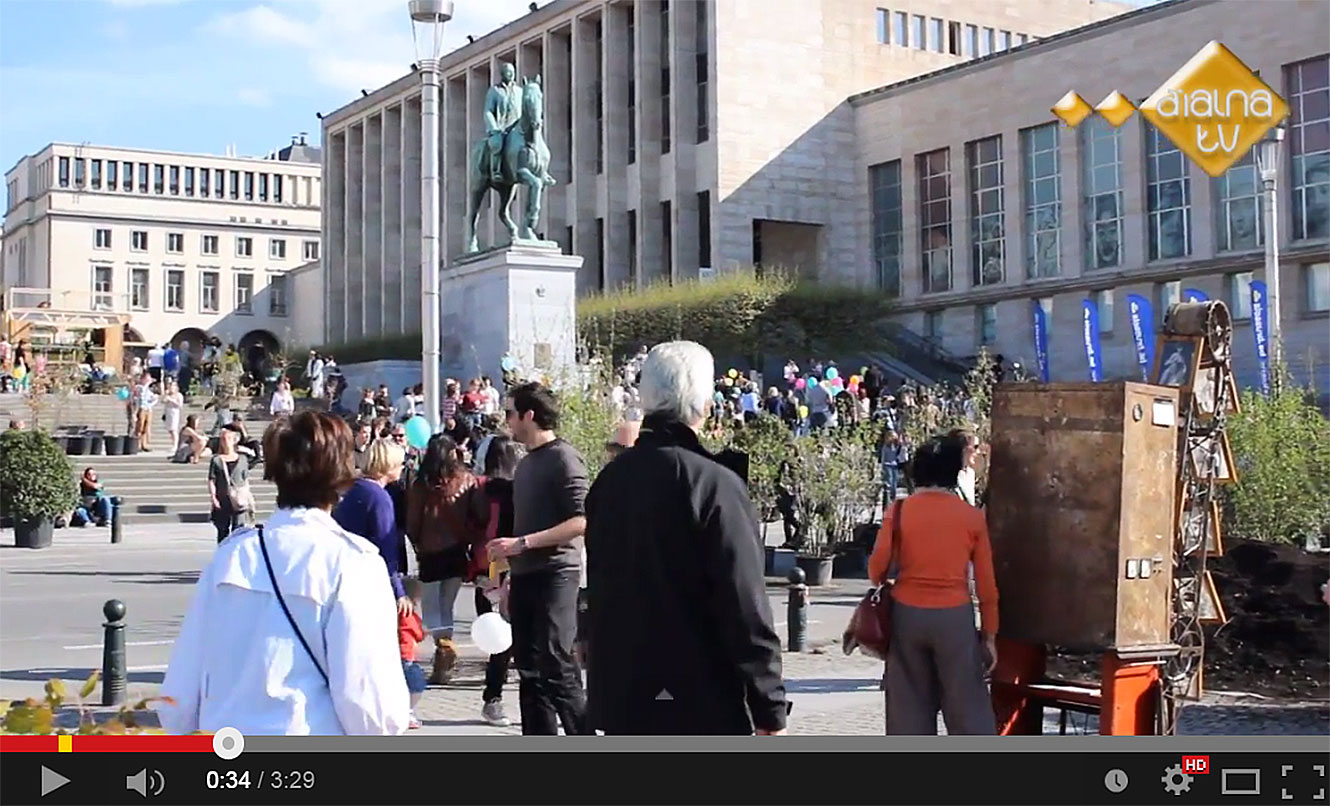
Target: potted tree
pixel 36 484
pixel 809 459
pixel 766 441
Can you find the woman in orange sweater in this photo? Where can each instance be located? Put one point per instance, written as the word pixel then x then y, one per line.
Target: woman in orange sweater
pixel 937 662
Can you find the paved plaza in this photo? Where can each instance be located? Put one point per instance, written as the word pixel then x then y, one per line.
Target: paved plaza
pixel 51 626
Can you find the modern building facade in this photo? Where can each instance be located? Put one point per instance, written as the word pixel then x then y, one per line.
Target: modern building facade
pixel 184 244
pixel 688 136
pixel 969 213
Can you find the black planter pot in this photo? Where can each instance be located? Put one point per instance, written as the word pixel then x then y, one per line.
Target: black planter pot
pixel 779 561
pixel 33 533
pixel 850 562
pixel 114 445
pixel 817 570
pixel 63 441
pixel 78 445
pixel 96 444
pixel 131 446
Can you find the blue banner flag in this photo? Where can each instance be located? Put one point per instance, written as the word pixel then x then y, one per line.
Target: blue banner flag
pixel 1090 326
pixel 1041 340
pixel 1194 295
pixel 1142 318
pixel 1260 318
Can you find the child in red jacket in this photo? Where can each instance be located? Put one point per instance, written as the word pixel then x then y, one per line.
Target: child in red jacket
pixel 410 632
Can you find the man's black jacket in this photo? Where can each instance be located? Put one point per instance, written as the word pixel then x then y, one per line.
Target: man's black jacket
pixel 680 627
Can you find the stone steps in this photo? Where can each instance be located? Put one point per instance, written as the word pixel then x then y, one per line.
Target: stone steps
pixel 156 490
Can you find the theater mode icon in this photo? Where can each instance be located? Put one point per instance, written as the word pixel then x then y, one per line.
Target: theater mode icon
pixel 1214 109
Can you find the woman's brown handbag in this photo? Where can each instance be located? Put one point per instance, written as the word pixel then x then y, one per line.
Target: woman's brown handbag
pixel 870 626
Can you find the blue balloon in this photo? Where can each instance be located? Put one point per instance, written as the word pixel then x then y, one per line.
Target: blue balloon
pixel 122 393
pixel 417 432
pixel 507 363
pixel 832 373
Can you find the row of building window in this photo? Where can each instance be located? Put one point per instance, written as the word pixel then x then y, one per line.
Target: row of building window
pixel 1315 288
pixel 1169 196
pixel 943 36
pixel 702 63
pixel 175 180
pixel 174 291
pixel 667 241
pixel 208 244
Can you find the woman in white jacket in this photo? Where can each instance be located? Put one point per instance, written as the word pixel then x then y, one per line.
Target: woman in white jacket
pixel 293 627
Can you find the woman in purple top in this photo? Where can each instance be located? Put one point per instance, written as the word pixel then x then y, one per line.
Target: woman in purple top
pixel 367 510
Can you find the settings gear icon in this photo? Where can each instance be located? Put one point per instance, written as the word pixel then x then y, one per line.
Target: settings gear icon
pixel 1176 781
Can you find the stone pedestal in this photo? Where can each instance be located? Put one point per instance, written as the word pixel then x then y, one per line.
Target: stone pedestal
pixel 515 300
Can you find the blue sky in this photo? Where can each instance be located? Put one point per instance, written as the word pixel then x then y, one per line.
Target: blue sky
pixel 199 75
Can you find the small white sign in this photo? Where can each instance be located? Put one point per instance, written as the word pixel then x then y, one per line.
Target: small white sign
pixel 1163 413
pixel 1131 569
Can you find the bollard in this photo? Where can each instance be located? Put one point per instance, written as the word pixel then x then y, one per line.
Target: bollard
pixel 116 501
pixel 797 615
pixel 113 653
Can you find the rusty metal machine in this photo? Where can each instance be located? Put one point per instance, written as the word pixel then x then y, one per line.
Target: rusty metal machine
pixel 1101 513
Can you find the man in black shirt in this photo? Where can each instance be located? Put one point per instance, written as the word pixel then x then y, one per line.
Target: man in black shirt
pixel 545 557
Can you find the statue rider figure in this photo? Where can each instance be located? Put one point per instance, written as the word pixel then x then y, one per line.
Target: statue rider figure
pixel 503 109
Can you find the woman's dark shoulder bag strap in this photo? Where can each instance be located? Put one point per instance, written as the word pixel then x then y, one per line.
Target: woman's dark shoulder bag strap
pixel 272 577
pixel 894 561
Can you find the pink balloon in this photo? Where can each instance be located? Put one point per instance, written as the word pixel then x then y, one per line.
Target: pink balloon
pixel 837 382
pixel 800 384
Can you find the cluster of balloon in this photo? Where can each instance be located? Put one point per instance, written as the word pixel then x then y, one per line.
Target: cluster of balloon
pixel 417 432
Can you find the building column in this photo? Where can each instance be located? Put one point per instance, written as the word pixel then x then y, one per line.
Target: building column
pixel 411 204
pixel 376 279
pixel 683 107
pixel 557 82
pixel 650 59
pixel 584 152
pixel 392 189
pixel 615 81
pixel 355 240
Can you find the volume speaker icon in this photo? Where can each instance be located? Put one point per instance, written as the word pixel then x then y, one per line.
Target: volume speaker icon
pixel 146 782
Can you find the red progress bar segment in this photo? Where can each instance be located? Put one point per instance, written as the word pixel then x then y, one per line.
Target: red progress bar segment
pixel 136 743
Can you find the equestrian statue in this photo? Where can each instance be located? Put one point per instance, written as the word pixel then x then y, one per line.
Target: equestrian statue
pixel 512 154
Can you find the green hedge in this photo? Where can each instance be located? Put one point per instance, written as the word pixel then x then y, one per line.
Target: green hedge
pixel 737 313
pixel 398 346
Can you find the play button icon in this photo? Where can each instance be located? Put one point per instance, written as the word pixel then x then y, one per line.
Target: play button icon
pixel 51 781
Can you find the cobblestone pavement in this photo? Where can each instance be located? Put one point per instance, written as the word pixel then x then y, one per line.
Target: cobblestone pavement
pixel 835 695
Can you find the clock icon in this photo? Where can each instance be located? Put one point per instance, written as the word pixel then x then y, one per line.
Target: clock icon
pixel 1115 781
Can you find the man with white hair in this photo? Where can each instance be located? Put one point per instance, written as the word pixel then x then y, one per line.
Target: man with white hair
pixel 681 639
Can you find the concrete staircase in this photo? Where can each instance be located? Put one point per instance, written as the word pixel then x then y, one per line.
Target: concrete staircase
pixel 154 489
pixel 157 491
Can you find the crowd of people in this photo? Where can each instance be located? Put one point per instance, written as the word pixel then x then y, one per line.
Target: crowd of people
pixel 637 603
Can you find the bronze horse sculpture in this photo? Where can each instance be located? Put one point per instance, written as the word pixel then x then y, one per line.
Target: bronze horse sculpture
pixel 525 162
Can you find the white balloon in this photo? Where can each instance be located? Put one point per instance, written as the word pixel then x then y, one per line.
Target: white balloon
pixel 491 633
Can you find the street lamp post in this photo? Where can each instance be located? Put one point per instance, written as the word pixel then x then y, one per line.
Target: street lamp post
pixel 428 18
pixel 1268 154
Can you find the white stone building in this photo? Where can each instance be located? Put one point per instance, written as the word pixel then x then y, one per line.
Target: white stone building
pixel 687 136
pixel 1092 212
pixel 185 244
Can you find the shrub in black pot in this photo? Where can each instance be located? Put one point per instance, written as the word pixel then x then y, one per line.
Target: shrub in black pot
pixel 37 485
